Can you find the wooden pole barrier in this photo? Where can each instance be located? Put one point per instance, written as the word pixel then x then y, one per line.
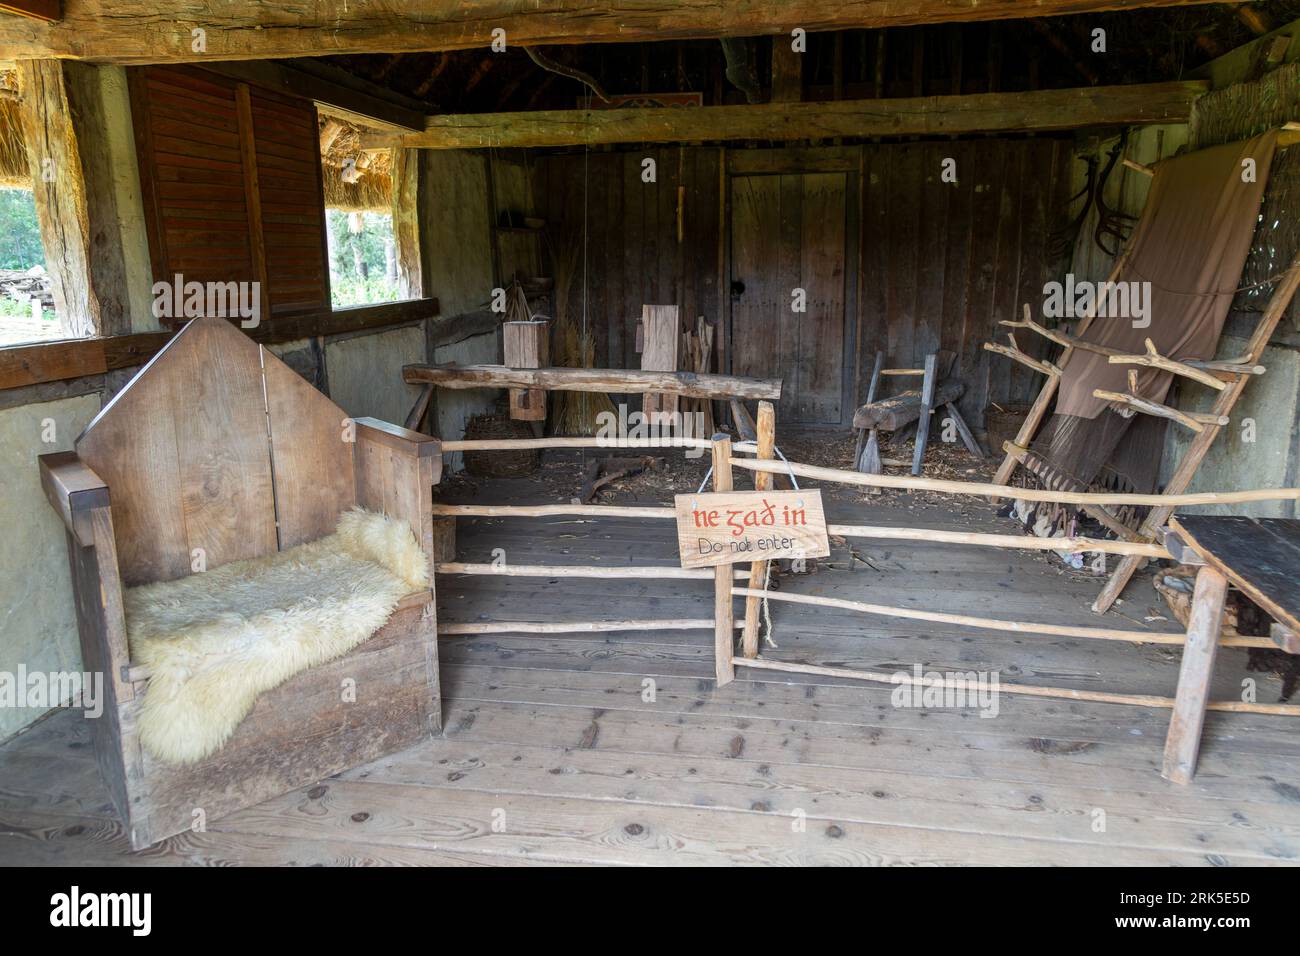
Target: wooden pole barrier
pixel 547 511
pixel 1028 494
pixel 758 570
pixel 574 627
pixel 724 626
pixel 1026 542
pixel 1029 690
pixel 653 573
pixel 517 444
pixel 988 624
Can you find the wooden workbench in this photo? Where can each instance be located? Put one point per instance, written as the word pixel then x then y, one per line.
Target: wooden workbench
pixel 1261 558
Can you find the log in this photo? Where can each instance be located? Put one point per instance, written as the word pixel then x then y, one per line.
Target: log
pixel 1030 690
pixel 1028 494
pixel 133 33
pixel 989 624
pixel 897 116
pixel 691 384
pixel 891 414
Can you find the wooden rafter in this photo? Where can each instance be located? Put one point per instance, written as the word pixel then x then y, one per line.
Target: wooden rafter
pixel 111 31
pixel 904 116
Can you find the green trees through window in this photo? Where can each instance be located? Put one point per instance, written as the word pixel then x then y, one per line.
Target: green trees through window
pixel 26 304
pixel 362 257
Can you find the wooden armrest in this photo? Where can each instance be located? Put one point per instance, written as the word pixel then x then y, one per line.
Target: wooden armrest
pixel 395 436
pixel 74 490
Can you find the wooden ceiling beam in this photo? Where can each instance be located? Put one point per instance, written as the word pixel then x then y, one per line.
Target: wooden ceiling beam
pixel 162 31
pixel 36 9
pixel 913 116
pixel 350 96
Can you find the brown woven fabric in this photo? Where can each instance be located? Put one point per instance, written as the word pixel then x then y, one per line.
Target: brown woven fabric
pixel 1190 244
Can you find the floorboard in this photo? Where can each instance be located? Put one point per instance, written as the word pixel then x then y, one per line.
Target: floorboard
pixel 617 748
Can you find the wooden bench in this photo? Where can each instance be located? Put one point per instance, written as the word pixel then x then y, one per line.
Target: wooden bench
pixel 912 405
pixel 1259 556
pixel 215 452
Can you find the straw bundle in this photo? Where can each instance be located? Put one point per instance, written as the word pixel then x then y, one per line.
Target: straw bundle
pixel 575 413
pixel 14 171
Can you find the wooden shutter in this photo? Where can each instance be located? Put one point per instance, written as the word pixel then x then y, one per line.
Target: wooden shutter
pixel 231 181
pixel 287 139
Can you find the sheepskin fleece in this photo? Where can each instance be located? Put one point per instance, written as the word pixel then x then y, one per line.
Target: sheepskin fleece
pixel 213 641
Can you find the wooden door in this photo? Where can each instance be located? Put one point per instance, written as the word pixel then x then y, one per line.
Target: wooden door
pixel 788 288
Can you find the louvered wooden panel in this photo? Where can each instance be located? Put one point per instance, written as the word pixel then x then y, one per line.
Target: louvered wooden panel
pixel 293 206
pixel 232 185
pixel 187 127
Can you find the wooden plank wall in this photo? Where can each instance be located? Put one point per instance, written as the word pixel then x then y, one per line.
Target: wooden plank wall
pixel 939 265
pixel 943 263
pixel 633 257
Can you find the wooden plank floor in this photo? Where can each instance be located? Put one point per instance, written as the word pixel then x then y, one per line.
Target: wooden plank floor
pixel 617 748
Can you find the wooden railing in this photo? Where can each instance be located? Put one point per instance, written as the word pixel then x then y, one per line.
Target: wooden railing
pixel 723 579
pixel 767 465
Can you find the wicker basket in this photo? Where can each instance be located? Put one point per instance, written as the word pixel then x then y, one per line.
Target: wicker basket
pixel 499 464
pixel 1003 423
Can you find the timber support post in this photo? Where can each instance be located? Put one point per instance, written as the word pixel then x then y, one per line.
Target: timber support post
pixel 766 429
pixel 723 620
pixel 1184 740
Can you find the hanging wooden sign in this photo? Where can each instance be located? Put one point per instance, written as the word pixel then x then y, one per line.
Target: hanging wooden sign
pixel 740 526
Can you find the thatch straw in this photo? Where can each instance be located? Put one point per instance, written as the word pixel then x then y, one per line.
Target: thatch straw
pixel 373 189
pixel 14 170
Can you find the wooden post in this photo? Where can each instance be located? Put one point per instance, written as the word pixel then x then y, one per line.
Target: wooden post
pixel 661 339
pixel 723 623
pixel 406 222
pixel 527 345
pixel 758 570
pixel 1184 740
pixel 77 265
pixel 927 407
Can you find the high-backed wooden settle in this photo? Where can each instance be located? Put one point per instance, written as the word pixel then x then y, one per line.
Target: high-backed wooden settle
pixel 215 452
